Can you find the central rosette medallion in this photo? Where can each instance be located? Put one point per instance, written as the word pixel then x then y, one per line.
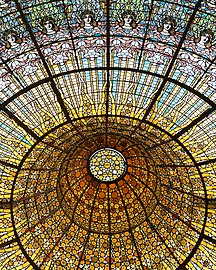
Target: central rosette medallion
pixel 91 189
pixel 107 165
pixel 108 189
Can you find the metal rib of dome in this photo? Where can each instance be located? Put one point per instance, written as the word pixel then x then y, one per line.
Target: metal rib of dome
pixel 107 127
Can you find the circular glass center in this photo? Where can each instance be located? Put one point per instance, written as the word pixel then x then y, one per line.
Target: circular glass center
pixel 107 164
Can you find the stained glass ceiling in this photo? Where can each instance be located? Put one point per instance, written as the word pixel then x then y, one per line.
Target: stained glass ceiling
pixel 107 127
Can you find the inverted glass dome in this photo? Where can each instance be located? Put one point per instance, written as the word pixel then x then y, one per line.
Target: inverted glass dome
pixel 107 129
